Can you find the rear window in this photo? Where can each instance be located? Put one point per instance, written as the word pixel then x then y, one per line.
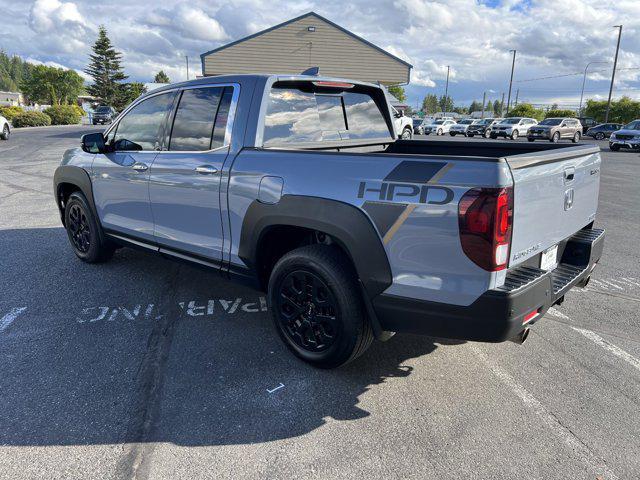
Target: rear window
pixel 297 116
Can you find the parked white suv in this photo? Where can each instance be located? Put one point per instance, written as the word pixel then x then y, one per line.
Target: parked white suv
pixel 5 129
pixel 513 127
pixel 439 127
pixel 461 127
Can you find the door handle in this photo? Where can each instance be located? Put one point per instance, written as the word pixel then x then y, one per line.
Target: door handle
pixel 139 167
pixel 569 174
pixel 206 170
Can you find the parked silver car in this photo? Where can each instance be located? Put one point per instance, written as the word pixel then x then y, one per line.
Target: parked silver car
pixel 627 137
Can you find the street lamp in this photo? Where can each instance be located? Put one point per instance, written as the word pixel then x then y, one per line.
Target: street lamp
pixel 584 79
pixel 613 74
pixel 513 65
pixel 446 92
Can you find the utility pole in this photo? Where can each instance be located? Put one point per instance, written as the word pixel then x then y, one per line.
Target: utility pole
pixel 187 58
pixel 502 106
pixel 513 66
pixel 517 94
pixel 484 99
pixel 584 79
pixel 613 74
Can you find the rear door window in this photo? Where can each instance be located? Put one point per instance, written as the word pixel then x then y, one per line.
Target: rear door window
pixel 201 119
pixel 297 116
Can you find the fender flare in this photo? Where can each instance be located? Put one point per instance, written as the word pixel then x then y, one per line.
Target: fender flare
pixel 78 177
pixel 346 224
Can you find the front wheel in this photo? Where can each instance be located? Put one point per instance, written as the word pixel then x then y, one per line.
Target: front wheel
pixel 614 147
pixel 556 137
pixel 470 135
pixel 316 306
pixel 487 134
pixel 5 133
pixel 599 136
pixel 439 132
pixel 531 139
pixel 493 136
pixel 514 135
pixel 576 137
pixel 406 134
pixel 453 134
pixel 83 231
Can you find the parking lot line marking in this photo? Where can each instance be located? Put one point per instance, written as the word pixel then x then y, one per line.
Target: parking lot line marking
pixel 277 388
pixel 566 435
pixel 10 317
pixel 556 313
pixel 617 351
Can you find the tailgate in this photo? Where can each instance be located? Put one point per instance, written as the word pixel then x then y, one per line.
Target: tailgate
pixel 555 195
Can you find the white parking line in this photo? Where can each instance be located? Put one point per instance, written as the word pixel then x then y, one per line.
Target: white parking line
pixel 586 456
pixel 556 313
pixel 10 317
pixel 617 351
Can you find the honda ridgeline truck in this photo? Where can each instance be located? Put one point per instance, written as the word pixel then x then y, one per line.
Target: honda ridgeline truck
pixel 298 186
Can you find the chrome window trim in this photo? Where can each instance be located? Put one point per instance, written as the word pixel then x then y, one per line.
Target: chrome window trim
pixel 230 118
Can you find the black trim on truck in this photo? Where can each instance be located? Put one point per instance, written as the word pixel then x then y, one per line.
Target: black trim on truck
pixel 498 314
pixel 77 177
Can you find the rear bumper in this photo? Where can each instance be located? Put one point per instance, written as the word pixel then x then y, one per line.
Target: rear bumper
pixel 498 314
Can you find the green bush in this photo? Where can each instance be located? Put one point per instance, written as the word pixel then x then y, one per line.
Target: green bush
pixel 560 113
pixel 63 114
pixel 10 112
pixel 31 119
pixel 526 110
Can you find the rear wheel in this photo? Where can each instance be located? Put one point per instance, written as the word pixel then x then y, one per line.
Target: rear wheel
pixel 453 134
pixel 576 137
pixel 470 135
pixel 493 135
pixel 599 136
pixel 316 306
pixel 555 138
pixel 5 133
pixel 83 231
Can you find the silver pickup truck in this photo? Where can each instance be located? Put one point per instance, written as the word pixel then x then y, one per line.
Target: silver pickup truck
pixel 298 186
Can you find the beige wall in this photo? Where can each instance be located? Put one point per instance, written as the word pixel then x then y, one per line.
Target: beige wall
pixel 292 49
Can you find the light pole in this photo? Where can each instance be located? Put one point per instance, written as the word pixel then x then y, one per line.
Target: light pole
pixel 187 59
pixel 613 74
pixel 446 92
pixel 513 66
pixel 584 79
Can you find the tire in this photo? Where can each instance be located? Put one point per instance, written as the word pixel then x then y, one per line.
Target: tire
pixel 295 294
pixel 615 148
pixel 406 134
pixel 576 137
pixel 453 134
pixel 599 136
pixel 555 138
pixel 514 135
pixel 487 134
pixel 493 136
pixel 531 139
pixel 6 133
pixel 470 135
pixel 439 132
pixel 84 232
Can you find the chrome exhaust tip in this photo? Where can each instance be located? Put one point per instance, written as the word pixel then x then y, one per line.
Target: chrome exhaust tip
pixel 521 337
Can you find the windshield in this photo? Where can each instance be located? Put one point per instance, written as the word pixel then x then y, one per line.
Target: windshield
pixel 103 109
pixel 551 121
pixel 438 122
pixel 465 122
pixel 416 122
pixel 635 125
pixel 511 121
pixel 485 121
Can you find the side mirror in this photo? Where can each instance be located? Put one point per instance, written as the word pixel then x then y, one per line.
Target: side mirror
pixel 93 143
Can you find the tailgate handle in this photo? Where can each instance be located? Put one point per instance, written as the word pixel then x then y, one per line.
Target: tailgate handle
pixel 569 173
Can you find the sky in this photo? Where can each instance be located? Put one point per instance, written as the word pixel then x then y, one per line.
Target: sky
pixel 552 38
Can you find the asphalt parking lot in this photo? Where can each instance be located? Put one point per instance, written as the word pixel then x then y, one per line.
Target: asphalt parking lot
pixel 144 368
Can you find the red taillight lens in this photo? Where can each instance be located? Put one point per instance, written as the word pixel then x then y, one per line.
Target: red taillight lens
pixel 485 216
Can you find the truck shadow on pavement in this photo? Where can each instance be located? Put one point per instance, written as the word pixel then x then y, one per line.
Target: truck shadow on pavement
pixel 218 379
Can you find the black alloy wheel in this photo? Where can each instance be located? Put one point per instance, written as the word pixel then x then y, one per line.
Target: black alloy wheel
pixel 308 311
pixel 599 136
pixel 79 228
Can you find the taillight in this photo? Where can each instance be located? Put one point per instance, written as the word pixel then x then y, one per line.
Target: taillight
pixel 485 217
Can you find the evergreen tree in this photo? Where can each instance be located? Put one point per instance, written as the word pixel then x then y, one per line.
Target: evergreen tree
pixel 106 71
pixel 446 103
pixel 475 107
pixel 497 108
pixel 161 77
pixel 398 92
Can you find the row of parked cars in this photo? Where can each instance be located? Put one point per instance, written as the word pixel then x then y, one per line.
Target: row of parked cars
pixel 552 129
